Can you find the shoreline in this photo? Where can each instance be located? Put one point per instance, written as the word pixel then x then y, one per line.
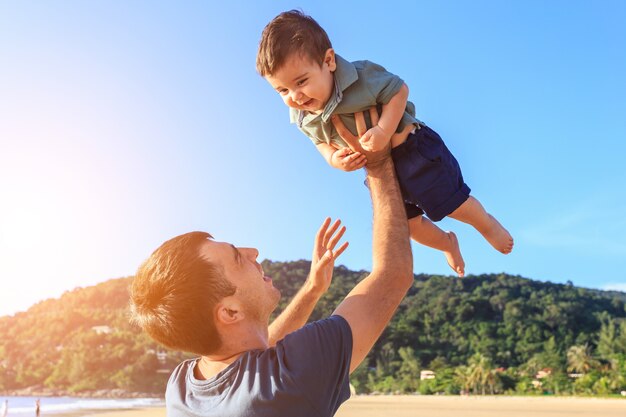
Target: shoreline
pixel 99 394
pixel 78 406
pixel 137 412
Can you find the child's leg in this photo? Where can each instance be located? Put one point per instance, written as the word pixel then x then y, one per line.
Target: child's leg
pixel 473 213
pixel 428 234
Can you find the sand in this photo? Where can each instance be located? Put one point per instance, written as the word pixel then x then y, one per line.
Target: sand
pixel 448 406
pixel 457 406
pixel 143 412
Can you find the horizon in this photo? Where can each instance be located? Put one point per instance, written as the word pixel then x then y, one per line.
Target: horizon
pixel 123 125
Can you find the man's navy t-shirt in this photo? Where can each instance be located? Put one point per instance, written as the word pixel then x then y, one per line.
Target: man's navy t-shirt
pixel 305 374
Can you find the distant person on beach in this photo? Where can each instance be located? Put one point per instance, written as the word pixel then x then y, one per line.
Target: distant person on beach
pixel 297 59
pixel 212 299
pixel 5 408
pixel 37 407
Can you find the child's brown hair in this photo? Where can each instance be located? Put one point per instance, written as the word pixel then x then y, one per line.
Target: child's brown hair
pixel 290 32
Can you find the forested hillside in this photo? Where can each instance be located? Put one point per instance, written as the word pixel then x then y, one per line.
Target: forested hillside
pixel 481 334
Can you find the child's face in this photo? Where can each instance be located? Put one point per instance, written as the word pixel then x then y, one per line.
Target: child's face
pixel 304 84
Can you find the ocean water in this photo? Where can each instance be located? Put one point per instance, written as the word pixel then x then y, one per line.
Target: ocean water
pixel 25 406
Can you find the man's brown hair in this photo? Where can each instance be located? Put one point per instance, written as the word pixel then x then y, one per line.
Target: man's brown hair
pixel 174 294
pixel 288 33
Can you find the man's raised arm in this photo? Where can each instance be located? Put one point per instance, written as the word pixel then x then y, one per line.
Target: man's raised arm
pixel 368 308
pixel 300 308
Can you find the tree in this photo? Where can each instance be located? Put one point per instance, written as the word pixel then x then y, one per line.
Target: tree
pixel 463 378
pixel 408 375
pixel 607 345
pixel 579 359
pixel 481 374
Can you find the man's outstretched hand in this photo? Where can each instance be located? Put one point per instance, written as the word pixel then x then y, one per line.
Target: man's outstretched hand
pixel 298 311
pixel 324 254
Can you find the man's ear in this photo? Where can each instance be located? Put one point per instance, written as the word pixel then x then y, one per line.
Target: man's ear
pixel 228 311
pixel 329 59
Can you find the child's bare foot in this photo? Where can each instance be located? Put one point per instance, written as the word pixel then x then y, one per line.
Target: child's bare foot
pixel 453 255
pixel 498 236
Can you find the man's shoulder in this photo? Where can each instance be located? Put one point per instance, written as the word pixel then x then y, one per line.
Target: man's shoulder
pixel 333 332
pixel 307 371
pixel 182 368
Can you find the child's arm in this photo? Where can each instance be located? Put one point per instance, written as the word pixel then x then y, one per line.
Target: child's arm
pixel 342 158
pixel 378 136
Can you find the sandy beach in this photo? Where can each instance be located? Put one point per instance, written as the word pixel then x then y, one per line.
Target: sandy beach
pixel 444 406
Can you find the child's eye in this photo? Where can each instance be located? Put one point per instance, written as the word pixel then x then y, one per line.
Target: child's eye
pixel 282 92
pixel 301 82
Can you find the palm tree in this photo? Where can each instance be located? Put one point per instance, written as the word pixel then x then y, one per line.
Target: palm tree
pixel 480 370
pixel 579 359
pixel 462 377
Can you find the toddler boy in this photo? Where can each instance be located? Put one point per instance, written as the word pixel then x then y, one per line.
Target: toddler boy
pixel 297 59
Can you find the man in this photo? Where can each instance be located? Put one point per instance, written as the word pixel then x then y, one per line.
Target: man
pixel 212 299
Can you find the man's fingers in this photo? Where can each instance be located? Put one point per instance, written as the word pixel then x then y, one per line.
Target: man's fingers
pixel 346 135
pixel 361 127
pixel 342 248
pixel 333 240
pixel 325 259
pixel 321 232
pixel 374 116
pixel 341 129
pixel 330 232
pixel 330 256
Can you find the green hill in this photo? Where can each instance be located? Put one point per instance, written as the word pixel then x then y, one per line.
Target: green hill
pixel 504 326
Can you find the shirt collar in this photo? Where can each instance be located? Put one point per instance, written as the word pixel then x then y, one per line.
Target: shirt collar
pixel 345 75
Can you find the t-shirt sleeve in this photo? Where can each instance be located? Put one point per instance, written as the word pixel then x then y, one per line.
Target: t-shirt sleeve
pixel 316 358
pixel 382 84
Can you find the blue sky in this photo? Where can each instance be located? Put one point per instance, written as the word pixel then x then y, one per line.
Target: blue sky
pixel 123 124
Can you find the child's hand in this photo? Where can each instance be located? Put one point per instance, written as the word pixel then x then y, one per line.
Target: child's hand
pixel 375 139
pixel 347 160
pixel 373 158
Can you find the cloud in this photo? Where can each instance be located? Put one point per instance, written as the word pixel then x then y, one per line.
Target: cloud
pixel 615 286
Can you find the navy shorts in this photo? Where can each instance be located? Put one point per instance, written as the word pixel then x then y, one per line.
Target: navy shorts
pixel 429 176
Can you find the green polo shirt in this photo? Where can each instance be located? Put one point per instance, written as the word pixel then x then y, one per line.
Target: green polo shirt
pixel 358 86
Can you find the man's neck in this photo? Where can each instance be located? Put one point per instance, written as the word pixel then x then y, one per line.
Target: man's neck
pixel 207 368
pixel 239 341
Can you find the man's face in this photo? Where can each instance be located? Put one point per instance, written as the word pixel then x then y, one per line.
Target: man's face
pixel 254 289
pixel 304 84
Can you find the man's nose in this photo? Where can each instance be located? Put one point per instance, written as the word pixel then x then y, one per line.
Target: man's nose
pixel 251 253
